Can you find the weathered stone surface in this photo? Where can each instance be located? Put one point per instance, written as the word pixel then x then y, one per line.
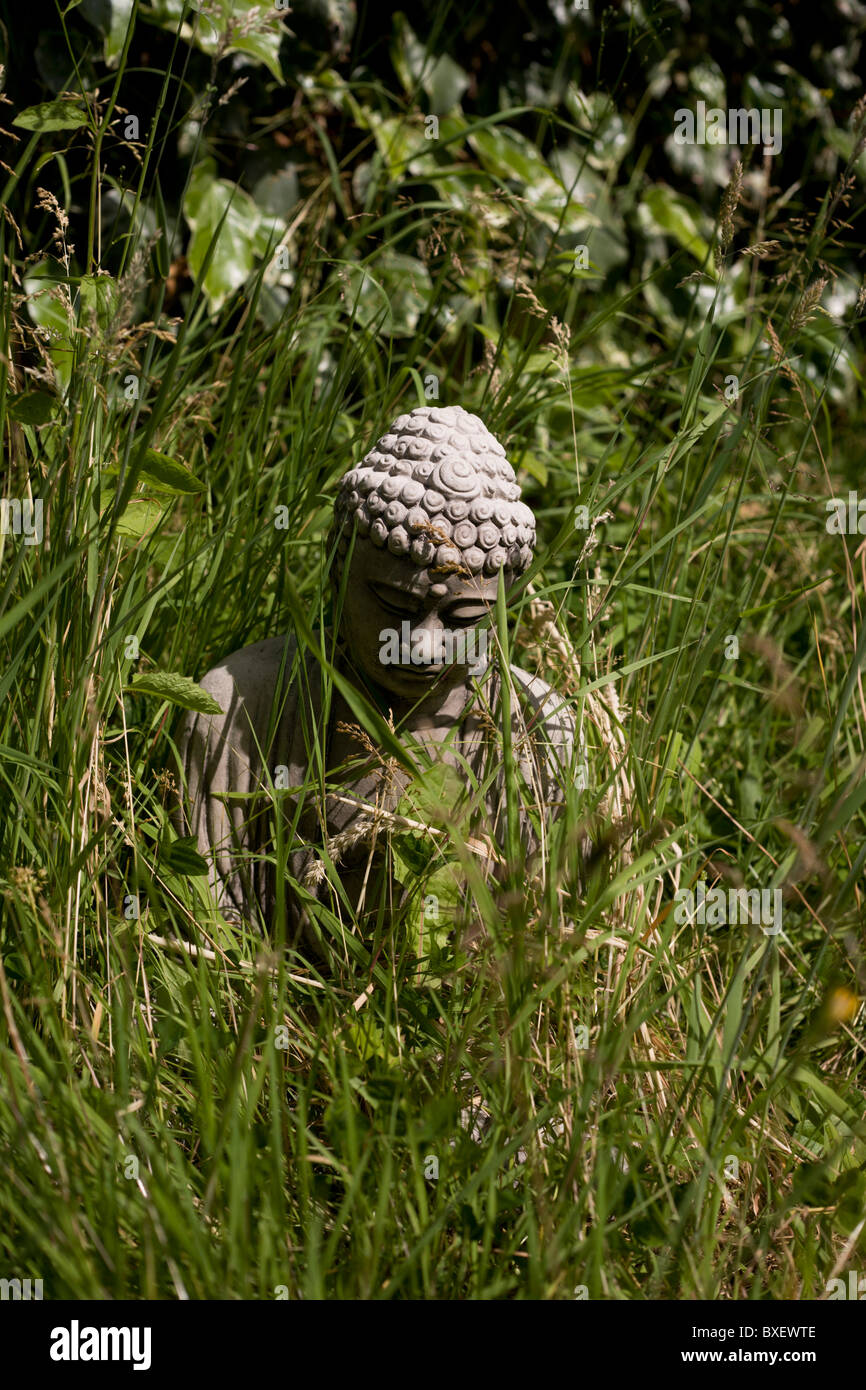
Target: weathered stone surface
pixel 231 761
pixel 439 464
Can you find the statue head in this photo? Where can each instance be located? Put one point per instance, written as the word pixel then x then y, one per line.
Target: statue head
pixel 430 517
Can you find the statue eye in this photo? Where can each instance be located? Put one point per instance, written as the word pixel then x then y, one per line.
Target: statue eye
pixel 405 606
pixel 467 617
pixel 403 610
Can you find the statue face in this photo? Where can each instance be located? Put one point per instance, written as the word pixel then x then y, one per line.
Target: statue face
pixel 412 632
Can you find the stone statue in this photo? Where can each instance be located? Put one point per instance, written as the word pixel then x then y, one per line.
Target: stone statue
pixel 422 528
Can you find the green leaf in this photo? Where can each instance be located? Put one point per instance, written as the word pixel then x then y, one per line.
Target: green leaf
pixel 47 305
pixel 121 12
pixel 32 407
pixel 511 157
pixel 413 852
pixel 183 857
pixel 661 209
pixel 222 213
pixel 99 296
pixel 443 80
pixel 178 690
pixel 813 1186
pixel 367 1037
pixel 139 517
pixel 598 117
pixel 393 299
pixel 227 19
pixel 434 796
pixel 61 114
pixel 397 141
pixel 168 474
pixel 533 465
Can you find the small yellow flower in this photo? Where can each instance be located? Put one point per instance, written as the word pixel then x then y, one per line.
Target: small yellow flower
pixel 841 1005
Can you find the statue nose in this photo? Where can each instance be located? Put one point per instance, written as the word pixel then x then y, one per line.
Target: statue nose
pixel 427 633
pixel 431 624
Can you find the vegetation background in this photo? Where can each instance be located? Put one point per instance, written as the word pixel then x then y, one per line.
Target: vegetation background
pixel 235 246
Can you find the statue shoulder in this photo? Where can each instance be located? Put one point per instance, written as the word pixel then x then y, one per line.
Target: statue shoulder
pixel 250 675
pixel 253 688
pixel 550 714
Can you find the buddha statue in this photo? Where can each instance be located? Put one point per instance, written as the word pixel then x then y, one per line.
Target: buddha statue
pixel 423 527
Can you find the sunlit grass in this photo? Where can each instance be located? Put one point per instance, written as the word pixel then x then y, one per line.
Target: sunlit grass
pixel 596 1097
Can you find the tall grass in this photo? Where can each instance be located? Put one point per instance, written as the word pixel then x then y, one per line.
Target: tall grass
pixel 597 1098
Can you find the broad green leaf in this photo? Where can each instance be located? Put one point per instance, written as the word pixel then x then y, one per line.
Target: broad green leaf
pixel 597 115
pixel 393 297
pixel 177 689
pixel 533 465
pixel 217 209
pixel 228 26
pixel 443 80
pixel 434 795
pixel 661 209
pixel 99 294
pixel 169 474
pixel 445 85
pixel 183 857
pixel 64 113
pixel 511 157
pixel 369 1040
pixel 48 307
pixel 121 13
pixel 397 141
pixel 32 407
pixel 139 517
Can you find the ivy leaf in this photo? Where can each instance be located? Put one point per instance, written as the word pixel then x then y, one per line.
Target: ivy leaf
pixel 534 466
pixel 813 1186
pixel 121 13
pixel 413 853
pixel 369 1040
pixel 435 795
pixel 514 159
pixel 177 689
pixel 393 299
pixel 443 80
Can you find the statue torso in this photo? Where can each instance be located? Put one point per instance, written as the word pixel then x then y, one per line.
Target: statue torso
pixel 280 749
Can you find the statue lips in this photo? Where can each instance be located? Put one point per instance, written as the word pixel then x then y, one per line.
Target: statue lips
pixel 416 674
pixel 420 671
